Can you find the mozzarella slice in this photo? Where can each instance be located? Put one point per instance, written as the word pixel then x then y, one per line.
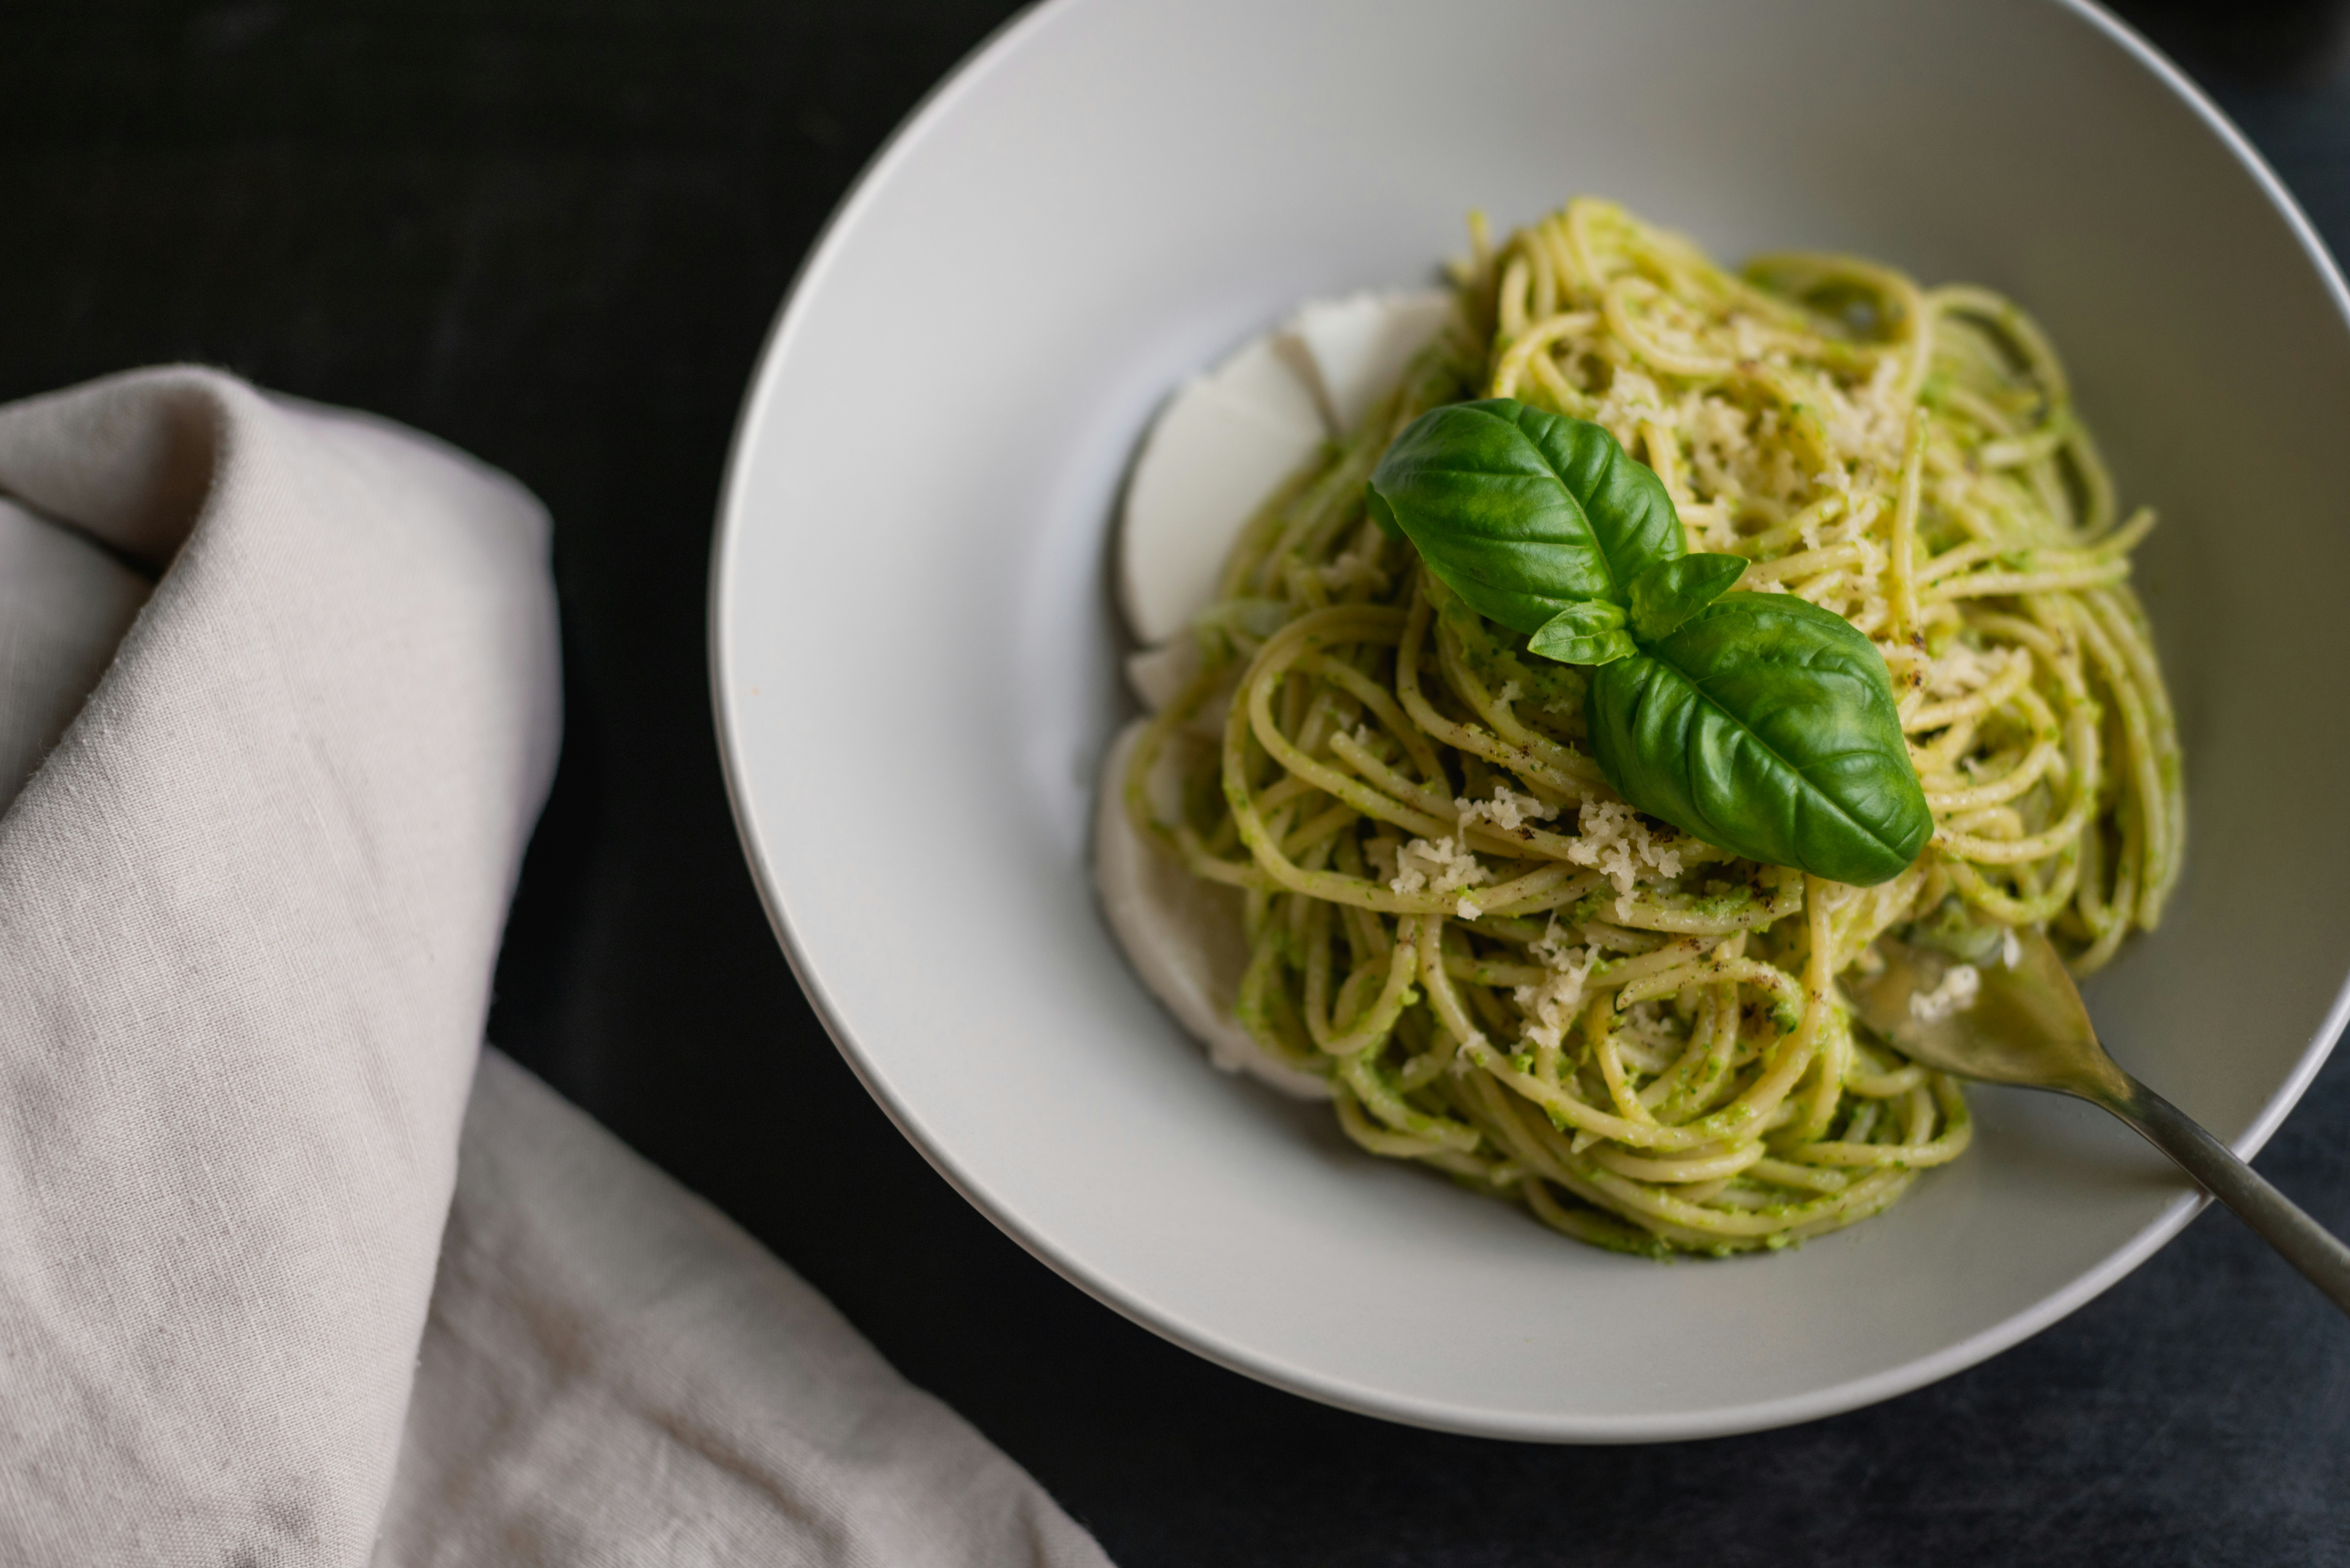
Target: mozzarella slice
pixel 1226 439
pixel 1355 349
pixel 1183 934
pixel 1223 444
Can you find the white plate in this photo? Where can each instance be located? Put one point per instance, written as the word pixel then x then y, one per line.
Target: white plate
pixel 914 650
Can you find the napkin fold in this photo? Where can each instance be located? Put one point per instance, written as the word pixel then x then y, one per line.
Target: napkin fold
pixel 615 1374
pixel 250 899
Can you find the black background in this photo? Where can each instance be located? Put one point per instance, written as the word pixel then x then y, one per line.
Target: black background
pixel 554 232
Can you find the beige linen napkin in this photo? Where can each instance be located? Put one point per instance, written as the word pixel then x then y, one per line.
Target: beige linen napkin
pixel 249 904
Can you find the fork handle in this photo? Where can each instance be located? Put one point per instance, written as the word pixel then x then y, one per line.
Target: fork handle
pixel 2306 1244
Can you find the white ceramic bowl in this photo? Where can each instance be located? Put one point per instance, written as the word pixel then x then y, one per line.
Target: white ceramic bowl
pixel 914 644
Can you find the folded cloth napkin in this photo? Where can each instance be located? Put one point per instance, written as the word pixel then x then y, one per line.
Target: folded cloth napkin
pixel 250 891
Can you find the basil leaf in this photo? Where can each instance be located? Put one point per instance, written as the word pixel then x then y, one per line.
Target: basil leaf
pixel 1591 632
pixel 1765 725
pixel 1670 592
pixel 1522 513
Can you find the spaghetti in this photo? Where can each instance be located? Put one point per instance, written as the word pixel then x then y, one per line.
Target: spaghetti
pixel 1501 970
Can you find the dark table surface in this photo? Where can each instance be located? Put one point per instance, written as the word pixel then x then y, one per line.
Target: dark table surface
pixel 554 232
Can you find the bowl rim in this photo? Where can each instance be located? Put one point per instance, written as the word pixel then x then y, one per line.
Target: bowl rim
pixel 967 76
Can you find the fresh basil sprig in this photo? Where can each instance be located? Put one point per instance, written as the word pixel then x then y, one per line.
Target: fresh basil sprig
pixel 1765 725
pixel 1759 724
pixel 1522 512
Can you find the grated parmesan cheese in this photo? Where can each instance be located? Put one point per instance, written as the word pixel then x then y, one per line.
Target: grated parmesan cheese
pixel 1612 837
pixel 1631 398
pixel 1508 810
pixel 1963 668
pixel 1439 866
pixel 1651 1024
pixel 1961 984
pixel 1747 338
pixel 1550 1005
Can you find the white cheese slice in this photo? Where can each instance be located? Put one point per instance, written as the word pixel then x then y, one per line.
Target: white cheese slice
pixel 1225 442
pixel 1227 438
pixel 1355 349
pixel 1183 934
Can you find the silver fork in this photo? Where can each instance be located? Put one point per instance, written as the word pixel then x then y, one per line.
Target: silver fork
pixel 2027 1026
